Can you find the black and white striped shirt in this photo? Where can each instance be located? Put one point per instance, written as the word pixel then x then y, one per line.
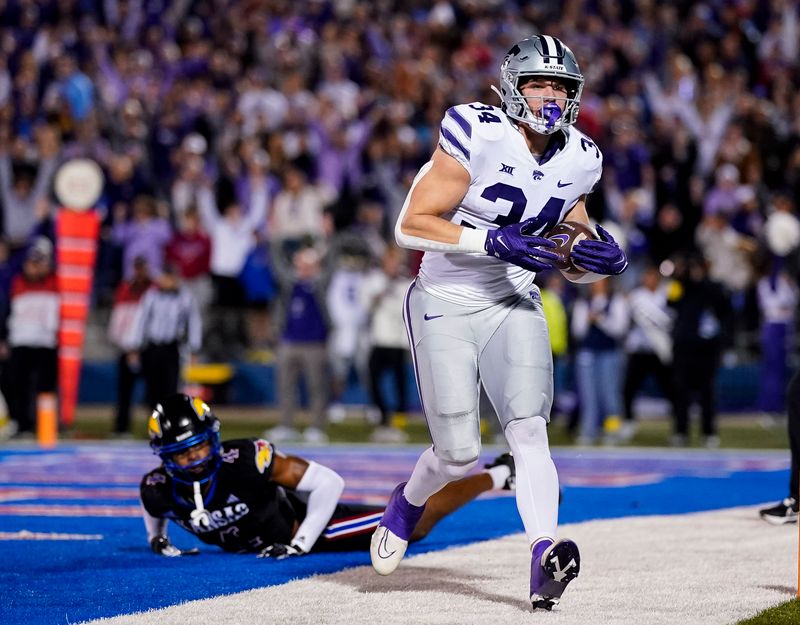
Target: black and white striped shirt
pixel 168 317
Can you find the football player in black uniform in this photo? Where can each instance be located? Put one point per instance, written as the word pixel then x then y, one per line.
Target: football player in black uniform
pixel 246 497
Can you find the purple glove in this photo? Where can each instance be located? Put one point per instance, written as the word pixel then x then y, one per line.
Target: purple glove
pixel 514 244
pixel 604 257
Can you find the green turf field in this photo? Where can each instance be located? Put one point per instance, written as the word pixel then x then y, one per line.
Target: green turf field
pixel 785 614
pixel 736 431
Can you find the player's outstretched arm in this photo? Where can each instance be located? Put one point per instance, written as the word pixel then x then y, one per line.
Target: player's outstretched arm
pixel 158 540
pixel 324 487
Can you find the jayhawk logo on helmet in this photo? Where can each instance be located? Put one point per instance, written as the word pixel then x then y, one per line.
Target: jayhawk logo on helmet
pixel 154 426
pixel 200 407
pixel 181 422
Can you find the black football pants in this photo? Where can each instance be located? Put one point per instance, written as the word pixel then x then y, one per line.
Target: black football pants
pixel 793 408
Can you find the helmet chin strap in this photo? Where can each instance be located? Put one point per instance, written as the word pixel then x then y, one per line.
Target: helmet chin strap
pixel 200 517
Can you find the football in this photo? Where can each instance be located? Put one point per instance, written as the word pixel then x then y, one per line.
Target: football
pixel 565 235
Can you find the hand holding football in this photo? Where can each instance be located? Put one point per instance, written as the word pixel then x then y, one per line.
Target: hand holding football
pixel 565 235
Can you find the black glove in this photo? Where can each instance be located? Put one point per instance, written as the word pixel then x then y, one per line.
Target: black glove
pixel 162 546
pixel 279 551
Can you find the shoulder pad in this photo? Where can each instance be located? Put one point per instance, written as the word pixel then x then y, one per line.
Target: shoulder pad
pixel 466 126
pixel 488 122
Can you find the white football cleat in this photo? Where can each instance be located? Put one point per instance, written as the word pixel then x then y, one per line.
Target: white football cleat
pixel 386 550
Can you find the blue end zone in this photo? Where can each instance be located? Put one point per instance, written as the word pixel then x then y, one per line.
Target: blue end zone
pixel 48 582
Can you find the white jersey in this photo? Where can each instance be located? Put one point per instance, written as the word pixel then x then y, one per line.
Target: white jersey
pixel 507 185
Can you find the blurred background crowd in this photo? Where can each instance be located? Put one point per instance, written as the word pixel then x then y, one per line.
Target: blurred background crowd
pixel 256 154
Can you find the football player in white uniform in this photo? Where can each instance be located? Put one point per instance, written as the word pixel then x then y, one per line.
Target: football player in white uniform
pixel 499 180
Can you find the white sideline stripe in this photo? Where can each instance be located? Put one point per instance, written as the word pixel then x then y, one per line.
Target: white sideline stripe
pixel 356 529
pixel 357 521
pixel 713 568
pixel 28 535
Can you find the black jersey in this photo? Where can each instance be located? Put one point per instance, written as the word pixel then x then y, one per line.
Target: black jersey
pixel 247 510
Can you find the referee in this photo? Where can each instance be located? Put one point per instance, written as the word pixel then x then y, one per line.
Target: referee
pixel 168 319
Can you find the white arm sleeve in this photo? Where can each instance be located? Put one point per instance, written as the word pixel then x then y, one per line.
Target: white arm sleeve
pixel 471 241
pixel 154 525
pixel 324 486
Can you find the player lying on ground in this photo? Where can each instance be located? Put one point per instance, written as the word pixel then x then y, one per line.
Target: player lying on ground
pixel 246 497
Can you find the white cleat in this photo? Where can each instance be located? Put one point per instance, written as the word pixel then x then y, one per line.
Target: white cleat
pixel 386 550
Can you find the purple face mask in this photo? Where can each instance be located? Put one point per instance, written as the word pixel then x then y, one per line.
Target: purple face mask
pixel 551 113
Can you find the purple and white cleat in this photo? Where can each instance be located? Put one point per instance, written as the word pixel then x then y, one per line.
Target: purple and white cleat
pixel 553 566
pixel 390 540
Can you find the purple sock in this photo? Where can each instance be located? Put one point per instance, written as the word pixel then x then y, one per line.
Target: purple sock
pixel 539 548
pixel 400 516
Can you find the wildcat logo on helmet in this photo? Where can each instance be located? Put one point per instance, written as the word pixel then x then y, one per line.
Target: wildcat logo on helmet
pixel 263 455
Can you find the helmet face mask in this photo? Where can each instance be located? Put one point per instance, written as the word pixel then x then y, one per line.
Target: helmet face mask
pixel 178 424
pixel 546 58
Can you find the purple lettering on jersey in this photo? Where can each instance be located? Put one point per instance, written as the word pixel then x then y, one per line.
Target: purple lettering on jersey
pixel 230 531
pixel 155 478
pixel 230 456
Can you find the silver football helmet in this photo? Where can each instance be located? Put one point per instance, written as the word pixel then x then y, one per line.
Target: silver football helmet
pixel 541 56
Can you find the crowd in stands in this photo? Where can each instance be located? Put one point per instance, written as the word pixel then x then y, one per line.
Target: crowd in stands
pixel 258 152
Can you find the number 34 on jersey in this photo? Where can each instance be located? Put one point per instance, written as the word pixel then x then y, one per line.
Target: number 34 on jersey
pixel 507 184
